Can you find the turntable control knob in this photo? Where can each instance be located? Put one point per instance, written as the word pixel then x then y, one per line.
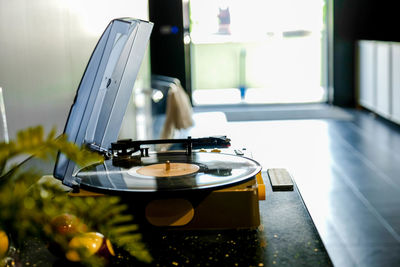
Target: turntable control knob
pixel 216 150
pixel 167 165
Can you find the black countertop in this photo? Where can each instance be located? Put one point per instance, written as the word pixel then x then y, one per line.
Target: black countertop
pixel 286 237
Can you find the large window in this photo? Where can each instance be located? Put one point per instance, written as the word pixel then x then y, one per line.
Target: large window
pixel 270 51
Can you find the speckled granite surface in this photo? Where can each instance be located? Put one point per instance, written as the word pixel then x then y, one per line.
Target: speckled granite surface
pixel 286 237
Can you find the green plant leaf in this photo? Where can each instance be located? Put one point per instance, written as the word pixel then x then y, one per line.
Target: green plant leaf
pixel 27 206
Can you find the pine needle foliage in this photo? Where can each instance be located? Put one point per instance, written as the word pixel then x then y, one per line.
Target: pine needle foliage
pixel 27 205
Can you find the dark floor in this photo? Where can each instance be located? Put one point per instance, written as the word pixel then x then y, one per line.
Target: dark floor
pixel 347 169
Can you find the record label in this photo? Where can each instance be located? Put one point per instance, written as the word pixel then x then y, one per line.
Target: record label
pixel 167 169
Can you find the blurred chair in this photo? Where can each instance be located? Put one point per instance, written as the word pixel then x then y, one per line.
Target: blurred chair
pixel 171 107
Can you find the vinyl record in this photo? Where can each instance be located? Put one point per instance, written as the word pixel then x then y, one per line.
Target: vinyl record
pixel 169 172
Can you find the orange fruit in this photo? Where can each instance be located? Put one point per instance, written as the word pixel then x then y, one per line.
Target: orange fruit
pixel 4 243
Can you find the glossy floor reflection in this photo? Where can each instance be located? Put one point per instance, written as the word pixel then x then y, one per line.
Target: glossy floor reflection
pixel 348 173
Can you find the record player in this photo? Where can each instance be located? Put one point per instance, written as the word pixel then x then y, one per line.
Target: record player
pixel 189 188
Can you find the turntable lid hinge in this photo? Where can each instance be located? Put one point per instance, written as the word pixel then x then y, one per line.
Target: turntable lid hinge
pixel 74 183
pixel 104 151
pixel 76 187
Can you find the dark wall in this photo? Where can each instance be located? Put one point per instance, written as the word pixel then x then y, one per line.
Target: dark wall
pixel 356 20
pixel 167 49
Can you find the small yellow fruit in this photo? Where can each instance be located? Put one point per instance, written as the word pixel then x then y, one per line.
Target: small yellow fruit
pixel 4 244
pixel 94 243
pixel 109 247
pixel 67 224
pixel 72 255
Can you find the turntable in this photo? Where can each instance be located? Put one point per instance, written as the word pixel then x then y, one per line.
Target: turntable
pixel 190 188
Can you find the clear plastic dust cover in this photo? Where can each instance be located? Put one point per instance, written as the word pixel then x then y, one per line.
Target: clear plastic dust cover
pixel 101 100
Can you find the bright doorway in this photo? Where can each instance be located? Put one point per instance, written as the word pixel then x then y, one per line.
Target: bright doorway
pixel 270 51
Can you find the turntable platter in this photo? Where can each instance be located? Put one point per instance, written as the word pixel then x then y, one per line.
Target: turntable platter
pixel 198 171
